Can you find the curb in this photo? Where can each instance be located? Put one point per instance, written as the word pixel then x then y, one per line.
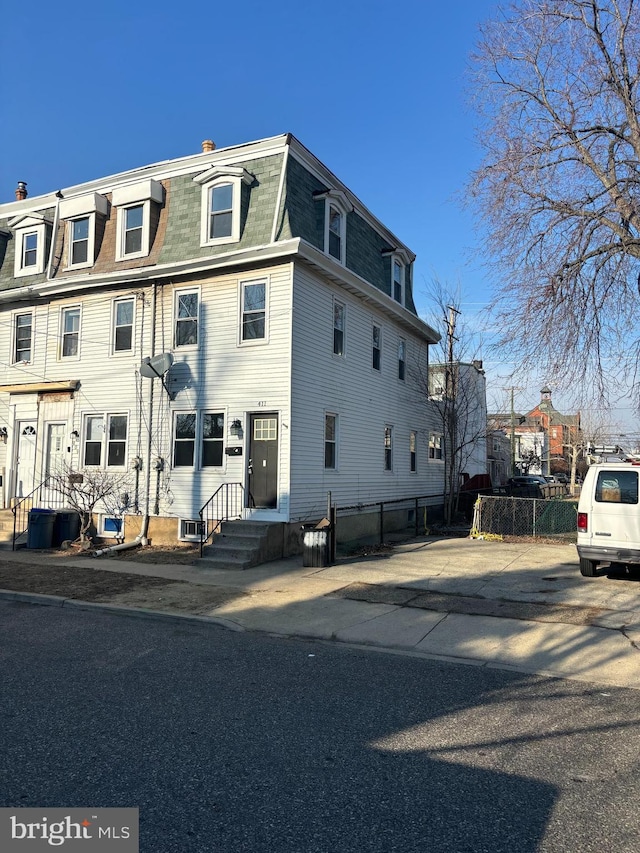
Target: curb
pixel 118 609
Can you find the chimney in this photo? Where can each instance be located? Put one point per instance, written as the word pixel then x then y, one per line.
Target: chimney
pixel 21 191
pixel 208 145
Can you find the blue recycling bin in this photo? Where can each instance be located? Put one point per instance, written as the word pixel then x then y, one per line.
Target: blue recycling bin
pixel 40 531
pixel 65 527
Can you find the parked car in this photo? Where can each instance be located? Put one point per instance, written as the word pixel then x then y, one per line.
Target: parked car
pixel 527 480
pixel 561 478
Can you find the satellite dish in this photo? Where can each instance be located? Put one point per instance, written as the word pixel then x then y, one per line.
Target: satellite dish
pixel 156 366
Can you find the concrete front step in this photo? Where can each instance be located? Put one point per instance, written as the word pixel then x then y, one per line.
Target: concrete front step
pixel 244 544
pixel 229 563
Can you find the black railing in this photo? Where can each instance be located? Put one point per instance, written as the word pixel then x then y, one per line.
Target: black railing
pixel 423 502
pixel 44 496
pixel 225 503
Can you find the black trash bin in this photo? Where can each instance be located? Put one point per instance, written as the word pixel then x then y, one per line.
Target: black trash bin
pixel 40 530
pixel 315 546
pixel 66 526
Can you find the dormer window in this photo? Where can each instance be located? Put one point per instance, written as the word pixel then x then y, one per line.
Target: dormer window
pixel 221 205
pixel 337 206
pixel 29 249
pixel 398 263
pixel 134 239
pixel 30 234
pixel 398 281
pixel 81 215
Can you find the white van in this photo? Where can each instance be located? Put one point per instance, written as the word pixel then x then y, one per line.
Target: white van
pixel 609 516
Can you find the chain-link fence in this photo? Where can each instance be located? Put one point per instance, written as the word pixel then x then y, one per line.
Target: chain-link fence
pixel 506 516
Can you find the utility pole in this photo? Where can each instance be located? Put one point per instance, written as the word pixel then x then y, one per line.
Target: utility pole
pixel 450 416
pixel 513 437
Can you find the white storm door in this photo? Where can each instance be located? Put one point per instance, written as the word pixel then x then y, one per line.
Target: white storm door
pixel 25 458
pixel 55 448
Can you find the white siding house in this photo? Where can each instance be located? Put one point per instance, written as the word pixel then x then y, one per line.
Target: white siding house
pixel 277 311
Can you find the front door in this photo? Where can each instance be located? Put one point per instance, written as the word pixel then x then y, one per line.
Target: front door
pixel 262 465
pixel 25 459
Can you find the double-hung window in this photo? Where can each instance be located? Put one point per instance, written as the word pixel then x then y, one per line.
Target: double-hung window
pixel 435 446
pixel 30 234
pixel 186 310
pixel 79 242
pixel 105 440
pixel 209 426
pixel 70 332
pixel 212 439
pixel 339 319
pixel 388 448
pixel 413 451
pixel 376 347
pixel 335 229
pixel 132 229
pixel 123 325
pixel 398 281
pixel 184 440
pixel 330 441
pixel 402 358
pixel 254 310
pixel 29 249
pixel 223 191
pixel 23 337
pixel 82 215
pixel 220 211
pixel 133 222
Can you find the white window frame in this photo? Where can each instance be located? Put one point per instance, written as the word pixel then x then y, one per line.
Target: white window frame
pixel 174 439
pixel 176 300
pixel 338 304
pixel 115 326
pixel 103 533
pixel 14 337
pixel 197 460
pixel 333 441
pixel 209 180
pixel 73 210
pixel 436 449
pixel 241 291
pixel 91 240
pixel 121 222
pixel 125 198
pixel 413 451
pixel 105 440
pixel 21 235
pixel 64 310
pixel 397 264
pixel 377 348
pixel 194 535
pixel 388 448
pixel 402 359
pixel 200 416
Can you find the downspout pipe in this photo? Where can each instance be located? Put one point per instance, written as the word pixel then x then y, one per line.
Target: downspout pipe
pixel 141 538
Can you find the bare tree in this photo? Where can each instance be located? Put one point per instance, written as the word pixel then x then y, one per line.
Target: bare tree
pixel 456 389
pixel 559 191
pixel 90 489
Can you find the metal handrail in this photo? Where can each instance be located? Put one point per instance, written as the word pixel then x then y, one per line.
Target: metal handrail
pixel 225 503
pixel 21 509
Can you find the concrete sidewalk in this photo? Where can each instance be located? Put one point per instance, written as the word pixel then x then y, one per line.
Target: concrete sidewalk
pixel 579 628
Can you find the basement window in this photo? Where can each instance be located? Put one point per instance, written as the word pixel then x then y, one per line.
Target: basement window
pixel 190 529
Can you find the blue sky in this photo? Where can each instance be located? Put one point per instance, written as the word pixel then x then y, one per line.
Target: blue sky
pixel 376 90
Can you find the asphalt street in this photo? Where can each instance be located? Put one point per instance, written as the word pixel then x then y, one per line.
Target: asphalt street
pixel 243 742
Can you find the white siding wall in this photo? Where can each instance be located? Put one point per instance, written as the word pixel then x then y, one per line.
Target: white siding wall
pixel 364 399
pixel 216 375
pixel 223 376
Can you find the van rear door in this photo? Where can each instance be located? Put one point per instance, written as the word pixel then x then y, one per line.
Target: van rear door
pixel 614 517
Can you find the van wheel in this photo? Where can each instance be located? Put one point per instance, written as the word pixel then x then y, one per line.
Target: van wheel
pixel 588 568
